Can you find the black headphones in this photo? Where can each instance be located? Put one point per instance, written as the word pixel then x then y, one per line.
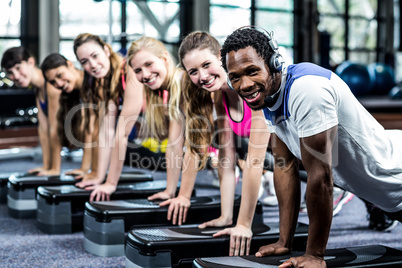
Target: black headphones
pixel 276 61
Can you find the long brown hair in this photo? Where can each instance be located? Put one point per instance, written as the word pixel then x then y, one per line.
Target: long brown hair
pixel 96 90
pixel 156 119
pixel 199 105
pixel 67 101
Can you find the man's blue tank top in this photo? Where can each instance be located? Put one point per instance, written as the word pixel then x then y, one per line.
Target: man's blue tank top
pixel 43 105
pixel 294 72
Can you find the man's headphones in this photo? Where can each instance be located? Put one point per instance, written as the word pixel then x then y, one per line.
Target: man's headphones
pixel 276 61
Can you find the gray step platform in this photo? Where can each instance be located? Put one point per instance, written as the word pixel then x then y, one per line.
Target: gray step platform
pixel 106 223
pixel 353 257
pixel 21 191
pixel 61 208
pixel 179 246
pixel 3 183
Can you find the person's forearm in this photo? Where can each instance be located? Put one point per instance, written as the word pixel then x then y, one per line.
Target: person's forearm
pixel 94 159
pixel 104 152
pixel 87 154
pixel 189 174
pixel 106 141
pixel 103 161
pixel 227 180
pixel 118 154
pixel 92 140
pixel 287 187
pixel 227 189
pixel 319 198
pixel 125 125
pixel 55 148
pixel 53 96
pixel 56 157
pixel 250 187
pixel 174 161
pixel 316 152
pixel 44 142
pixel 258 142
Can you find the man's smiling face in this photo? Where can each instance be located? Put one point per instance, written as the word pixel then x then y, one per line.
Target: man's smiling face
pixel 250 76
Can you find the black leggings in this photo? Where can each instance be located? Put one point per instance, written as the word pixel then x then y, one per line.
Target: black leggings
pixel 241 145
pixel 397 216
pixel 141 157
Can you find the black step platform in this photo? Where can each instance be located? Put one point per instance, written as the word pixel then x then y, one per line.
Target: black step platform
pixel 61 208
pixel 3 183
pixel 106 223
pixel 179 246
pixel 21 191
pixel 363 256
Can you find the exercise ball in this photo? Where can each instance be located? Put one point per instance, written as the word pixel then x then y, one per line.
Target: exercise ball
pixel 383 78
pixel 395 92
pixel 356 76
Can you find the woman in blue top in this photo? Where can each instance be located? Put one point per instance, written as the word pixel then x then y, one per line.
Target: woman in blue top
pixel 21 68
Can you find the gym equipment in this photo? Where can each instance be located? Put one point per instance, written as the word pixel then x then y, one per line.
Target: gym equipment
pixel 21 117
pixel 61 208
pixel 3 183
pixel 383 77
pixel 15 98
pixel 179 246
pixel 23 152
pixel 363 256
pixel 142 157
pixel 3 188
pixel 356 76
pixel 395 93
pixel 21 196
pixel 106 223
pixel 16 121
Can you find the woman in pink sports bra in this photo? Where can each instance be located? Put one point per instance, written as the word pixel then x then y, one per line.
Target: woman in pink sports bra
pixel 154 79
pixel 240 127
pixel 199 56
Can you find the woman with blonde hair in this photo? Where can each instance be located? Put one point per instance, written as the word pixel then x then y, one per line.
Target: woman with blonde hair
pixel 154 68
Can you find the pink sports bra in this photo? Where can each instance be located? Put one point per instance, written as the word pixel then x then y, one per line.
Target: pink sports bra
pixel 241 128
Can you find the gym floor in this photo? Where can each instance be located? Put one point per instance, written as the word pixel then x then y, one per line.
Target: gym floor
pixel 23 245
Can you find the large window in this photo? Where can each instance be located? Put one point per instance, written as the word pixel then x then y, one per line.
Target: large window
pixel 118 22
pixel 277 16
pixel 352 25
pixel 10 19
pixel 228 15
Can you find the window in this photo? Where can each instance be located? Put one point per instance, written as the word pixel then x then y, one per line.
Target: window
pixel 10 18
pixel 92 17
pixel 118 22
pixel 277 16
pixel 228 15
pixel 352 25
